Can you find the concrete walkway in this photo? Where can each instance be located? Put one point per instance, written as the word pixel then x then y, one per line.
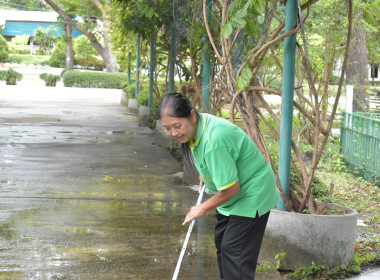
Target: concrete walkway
pixel 85 193
pixel 368 275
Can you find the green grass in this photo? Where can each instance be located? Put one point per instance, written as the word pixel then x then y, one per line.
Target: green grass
pixel 29 59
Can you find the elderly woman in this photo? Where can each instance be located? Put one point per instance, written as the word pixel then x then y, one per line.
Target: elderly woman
pixel 235 172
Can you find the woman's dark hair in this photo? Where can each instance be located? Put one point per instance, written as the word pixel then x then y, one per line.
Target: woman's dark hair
pixel 179 106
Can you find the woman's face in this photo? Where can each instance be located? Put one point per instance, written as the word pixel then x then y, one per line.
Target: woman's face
pixel 180 129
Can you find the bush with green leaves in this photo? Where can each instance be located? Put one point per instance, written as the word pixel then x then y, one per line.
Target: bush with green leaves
pixel 20 40
pixel 89 63
pixel 50 79
pixel 45 38
pixel 4 50
pixel 10 76
pixel 83 47
pixel 89 79
pixel 58 57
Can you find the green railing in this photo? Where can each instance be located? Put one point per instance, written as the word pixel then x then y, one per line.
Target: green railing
pixel 360 138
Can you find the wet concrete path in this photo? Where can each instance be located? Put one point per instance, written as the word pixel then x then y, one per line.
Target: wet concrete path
pixel 83 192
pixel 85 195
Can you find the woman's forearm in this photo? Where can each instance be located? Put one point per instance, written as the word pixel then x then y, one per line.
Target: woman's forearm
pixel 218 199
pixel 221 197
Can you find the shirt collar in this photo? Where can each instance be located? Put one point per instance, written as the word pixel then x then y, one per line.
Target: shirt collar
pixel 200 130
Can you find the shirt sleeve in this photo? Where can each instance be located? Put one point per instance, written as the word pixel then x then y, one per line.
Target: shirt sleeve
pixel 222 168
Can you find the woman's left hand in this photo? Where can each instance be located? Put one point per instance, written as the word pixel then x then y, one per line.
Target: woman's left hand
pixel 195 212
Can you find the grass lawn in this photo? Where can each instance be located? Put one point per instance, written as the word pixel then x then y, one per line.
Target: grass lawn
pixel 29 59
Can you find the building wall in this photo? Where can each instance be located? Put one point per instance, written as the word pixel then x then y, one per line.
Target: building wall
pixel 14 28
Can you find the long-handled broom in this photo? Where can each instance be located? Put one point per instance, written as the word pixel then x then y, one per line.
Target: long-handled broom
pixel 176 272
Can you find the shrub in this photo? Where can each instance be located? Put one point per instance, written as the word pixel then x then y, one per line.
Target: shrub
pixel 58 57
pixel 4 50
pixel 45 38
pixel 87 79
pixel 89 63
pixel 130 90
pixel 20 40
pixel 50 79
pixel 83 47
pixel 10 76
pixel 62 72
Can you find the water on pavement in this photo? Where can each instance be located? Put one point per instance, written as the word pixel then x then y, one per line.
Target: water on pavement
pixel 85 193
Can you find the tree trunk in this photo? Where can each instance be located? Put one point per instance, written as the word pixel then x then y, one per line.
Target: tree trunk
pixel 69 47
pixel 105 52
pixel 109 59
pixel 357 69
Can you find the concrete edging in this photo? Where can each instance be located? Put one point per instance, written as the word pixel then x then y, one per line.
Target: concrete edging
pixel 132 106
pixel 144 116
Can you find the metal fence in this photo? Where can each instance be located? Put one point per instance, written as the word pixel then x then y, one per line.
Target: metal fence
pixel 360 138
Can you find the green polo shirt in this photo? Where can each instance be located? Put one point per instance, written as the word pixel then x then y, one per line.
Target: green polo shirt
pixel 224 155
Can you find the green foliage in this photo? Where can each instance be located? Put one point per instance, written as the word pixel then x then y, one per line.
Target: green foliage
pixel 62 73
pixel 175 149
pixel 244 79
pixel 45 38
pixel 319 189
pixel 154 112
pixel 267 265
pixel 142 98
pixel 50 79
pixel 244 14
pixel 29 59
pixel 83 47
pixel 20 40
pixel 141 17
pixel 10 76
pixel 58 57
pixel 264 266
pixel 28 5
pixel 4 50
pixel 17 43
pixel 371 11
pixel 323 272
pixel 279 259
pixel 89 63
pixel 14 50
pixel 87 79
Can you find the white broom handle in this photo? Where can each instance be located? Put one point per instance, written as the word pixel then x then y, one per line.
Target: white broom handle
pixel 176 272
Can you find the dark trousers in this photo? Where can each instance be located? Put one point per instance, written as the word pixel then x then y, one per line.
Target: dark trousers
pixel 238 241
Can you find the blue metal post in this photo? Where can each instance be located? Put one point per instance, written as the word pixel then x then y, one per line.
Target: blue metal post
pixel 129 67
pixel 151 73
pixel 206 67
pixel 287 99
pixel 138 66
pixel 171 85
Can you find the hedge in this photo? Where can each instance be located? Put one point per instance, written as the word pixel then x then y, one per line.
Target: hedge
pixel 90 62
pixel 87 79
